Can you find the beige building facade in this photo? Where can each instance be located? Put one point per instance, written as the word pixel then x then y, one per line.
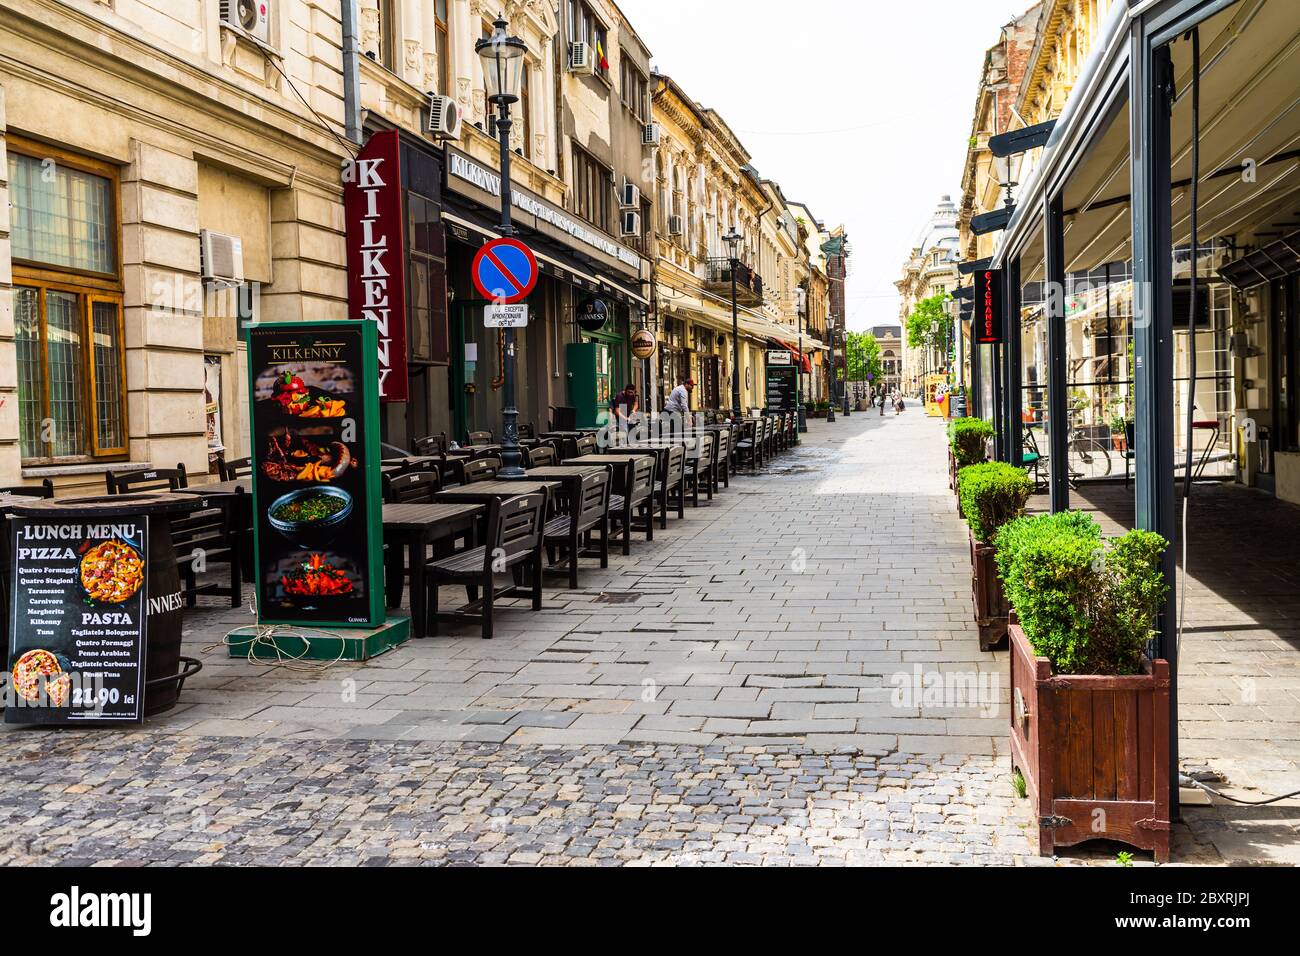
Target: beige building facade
pixel 706 185
pixel 930 270
pixel 128 133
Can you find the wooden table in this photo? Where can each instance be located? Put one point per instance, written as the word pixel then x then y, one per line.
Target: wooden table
pixel 568 441
pixel 483 492
pixel 449 468
pixel 570 475
pixel 417 526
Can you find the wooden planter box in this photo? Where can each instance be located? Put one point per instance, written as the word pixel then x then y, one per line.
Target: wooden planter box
pixel 990 602
pixel 1094 751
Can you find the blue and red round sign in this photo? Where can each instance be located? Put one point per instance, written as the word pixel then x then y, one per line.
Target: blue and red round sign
pixel 504 270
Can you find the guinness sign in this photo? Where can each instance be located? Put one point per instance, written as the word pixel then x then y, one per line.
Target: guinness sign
pixel 592 315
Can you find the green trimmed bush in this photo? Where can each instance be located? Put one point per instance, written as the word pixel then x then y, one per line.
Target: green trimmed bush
pixel 967 437
pixel 992 494
pixel 1087 606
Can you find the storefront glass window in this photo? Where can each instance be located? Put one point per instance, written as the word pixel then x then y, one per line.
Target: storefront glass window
pixel 68 309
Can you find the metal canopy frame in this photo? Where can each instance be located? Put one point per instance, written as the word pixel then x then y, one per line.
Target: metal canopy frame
pixel 1132 61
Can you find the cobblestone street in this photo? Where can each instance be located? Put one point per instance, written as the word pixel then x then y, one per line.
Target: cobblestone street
pixel 705 700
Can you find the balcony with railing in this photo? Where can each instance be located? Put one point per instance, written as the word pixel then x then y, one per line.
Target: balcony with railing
pixel 749 284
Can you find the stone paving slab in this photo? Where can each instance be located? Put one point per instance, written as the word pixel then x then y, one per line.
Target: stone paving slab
pixel 752 698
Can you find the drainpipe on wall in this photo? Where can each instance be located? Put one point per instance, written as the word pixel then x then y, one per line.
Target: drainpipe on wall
pixel 351 71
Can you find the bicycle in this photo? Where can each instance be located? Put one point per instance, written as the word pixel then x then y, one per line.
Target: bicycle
pixel 1086 456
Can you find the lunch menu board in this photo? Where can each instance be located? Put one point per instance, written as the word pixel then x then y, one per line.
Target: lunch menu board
pixel 316 494
pixel 77 635
pixel 782 383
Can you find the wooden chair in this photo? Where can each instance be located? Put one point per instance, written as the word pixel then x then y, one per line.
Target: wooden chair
pixel 199 538
pixel 480 438
pixel 588 511
pixel 527 430
pixel 239 468
pixel 769 437
pixel 514 539
pixel 699 468
pixel 412 487
pixel 542 455
pixel 44 490
pixel 206 537
pixel 722 459
pixel 431 445
pixel 749 448
pixel 586 445
pixel 671 488
pixel 636 499
pixel 481 469
pixel 155 479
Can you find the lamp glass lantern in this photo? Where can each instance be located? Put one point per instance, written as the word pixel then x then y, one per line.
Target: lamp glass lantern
pixel 733 240
pixel 503 63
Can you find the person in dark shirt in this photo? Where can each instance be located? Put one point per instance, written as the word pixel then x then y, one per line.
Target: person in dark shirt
pixel 625 405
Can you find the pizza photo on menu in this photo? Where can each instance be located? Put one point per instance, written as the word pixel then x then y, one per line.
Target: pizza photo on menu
pixel 111 572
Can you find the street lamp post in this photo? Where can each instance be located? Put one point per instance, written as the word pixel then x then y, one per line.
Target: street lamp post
pixel 844 351
pixel 958 406
pixel 801 309
pixel 503 63
pixel 733 239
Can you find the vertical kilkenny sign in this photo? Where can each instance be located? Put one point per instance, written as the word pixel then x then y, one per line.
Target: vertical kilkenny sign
pixel 376 253
pixel 988 307
pixel 316 497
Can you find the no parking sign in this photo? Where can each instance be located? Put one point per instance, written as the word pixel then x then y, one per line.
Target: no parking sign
pixel 504 270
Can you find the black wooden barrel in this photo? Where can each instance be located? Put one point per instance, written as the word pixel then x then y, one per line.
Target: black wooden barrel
pixel 163 623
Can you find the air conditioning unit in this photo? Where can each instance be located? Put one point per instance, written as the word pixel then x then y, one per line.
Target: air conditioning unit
pixel 629 196
pixel 630 224
pixel 444 117
pixel 251 16
pixel 580 59
pixel 650 134
pixel 221 257
pixel 675 226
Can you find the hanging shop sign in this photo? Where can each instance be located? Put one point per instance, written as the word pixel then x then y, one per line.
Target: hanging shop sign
pixel 376 255
pixel 778 357
pixel 592 314
pixel 77 631
pixel 504 271
pixel 988 307
pixel 782 386
pixel 316 495
pixel 644 344
pixel 467 177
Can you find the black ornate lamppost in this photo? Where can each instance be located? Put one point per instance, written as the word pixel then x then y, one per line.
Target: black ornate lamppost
pixel 733 240
pixel 503 67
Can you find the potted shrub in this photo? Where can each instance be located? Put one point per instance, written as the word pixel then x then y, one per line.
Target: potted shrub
pixel 1090 711
pixel 968 440
pixel 992 494
pixel 1118 432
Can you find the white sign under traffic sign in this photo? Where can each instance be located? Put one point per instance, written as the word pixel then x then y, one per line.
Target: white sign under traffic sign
pixel 497 316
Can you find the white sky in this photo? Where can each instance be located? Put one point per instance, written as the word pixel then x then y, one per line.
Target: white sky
pixel 861 109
